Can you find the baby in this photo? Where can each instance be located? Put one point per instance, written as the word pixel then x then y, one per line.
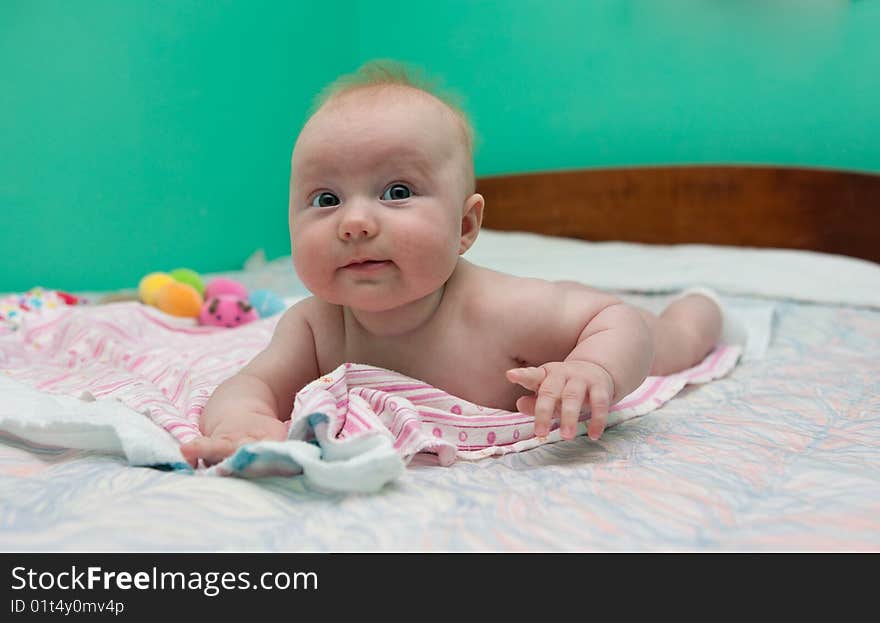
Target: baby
pixel 382 207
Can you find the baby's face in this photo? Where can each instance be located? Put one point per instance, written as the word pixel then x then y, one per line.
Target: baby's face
pixel 377 189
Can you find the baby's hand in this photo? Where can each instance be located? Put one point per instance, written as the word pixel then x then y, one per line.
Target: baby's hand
pixel 564 388
pixel 230 434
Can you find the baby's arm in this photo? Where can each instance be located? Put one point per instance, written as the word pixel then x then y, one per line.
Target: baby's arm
pixel 252 404
pixel 611 356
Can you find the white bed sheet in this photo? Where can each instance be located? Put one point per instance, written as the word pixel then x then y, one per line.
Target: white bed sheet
pixel 782 454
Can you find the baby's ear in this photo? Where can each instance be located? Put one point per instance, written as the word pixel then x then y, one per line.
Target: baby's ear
pixel 471 219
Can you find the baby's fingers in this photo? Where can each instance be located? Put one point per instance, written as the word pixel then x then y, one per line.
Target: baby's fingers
pixel 211 450
pixel 546 404
pixel 572 403
pixel 192 451
pixel 530 378
pixel 599 405
pixel 526 404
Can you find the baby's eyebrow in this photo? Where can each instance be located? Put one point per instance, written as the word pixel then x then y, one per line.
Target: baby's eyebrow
pixel 409 161
pixel 392 161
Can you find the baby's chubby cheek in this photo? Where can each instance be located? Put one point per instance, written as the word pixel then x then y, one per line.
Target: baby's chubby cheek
pixel 308 271
pixel 321 275
pixel 427 250
pixel 310 263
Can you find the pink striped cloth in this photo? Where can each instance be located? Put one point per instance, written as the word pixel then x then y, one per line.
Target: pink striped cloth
pixel 166 368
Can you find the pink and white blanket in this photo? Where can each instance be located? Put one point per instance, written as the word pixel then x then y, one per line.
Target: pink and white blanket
pixel 166 368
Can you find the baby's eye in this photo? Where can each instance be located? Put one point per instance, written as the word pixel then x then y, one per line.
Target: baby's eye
pixel 396 192
pixel 325 200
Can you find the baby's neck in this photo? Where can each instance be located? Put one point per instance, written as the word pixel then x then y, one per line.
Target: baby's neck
pixel 396 322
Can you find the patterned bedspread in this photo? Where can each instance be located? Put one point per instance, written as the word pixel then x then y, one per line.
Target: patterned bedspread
pixel 781 454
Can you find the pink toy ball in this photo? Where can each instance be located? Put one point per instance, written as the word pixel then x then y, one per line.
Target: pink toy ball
pixel 227 310
pixel 224 285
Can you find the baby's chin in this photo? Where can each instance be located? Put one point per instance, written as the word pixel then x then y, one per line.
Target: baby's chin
pixel 370 304
pixel 376 301
pixel 364 300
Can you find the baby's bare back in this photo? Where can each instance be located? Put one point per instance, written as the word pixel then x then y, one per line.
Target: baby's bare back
pixel 486 324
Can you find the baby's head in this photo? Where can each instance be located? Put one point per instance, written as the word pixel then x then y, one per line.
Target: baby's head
pixel 382 198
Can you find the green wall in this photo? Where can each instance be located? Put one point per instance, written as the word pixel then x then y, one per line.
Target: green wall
pixel 140 135
pixel 145 135
pixel 560 84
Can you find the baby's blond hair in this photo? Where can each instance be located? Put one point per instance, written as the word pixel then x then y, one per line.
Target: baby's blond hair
pixel 385 72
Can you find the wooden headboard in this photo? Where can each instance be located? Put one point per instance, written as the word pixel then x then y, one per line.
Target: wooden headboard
pixel 755 206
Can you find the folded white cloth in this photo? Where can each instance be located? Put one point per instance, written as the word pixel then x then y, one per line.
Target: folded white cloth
pixel 108 426
pixel 85 423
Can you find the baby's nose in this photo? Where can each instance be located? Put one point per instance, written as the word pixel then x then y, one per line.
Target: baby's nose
pixel 357 226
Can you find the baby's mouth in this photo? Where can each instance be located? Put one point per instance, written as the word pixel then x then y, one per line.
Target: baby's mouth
pixel 368 265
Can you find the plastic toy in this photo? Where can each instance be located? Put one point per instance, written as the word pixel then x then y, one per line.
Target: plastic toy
pixel 174 297
pixel 266 302
pixel 149 286
pixel 227 304
pixel 222 302
pixel 179 299
pixel 223 285
pixel 189 277
pixel 227 310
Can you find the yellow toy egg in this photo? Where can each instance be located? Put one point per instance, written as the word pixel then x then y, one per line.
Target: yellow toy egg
pixel 179 299
pixel 150 285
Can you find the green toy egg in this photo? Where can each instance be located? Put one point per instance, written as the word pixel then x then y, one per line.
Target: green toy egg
pixel 189 277
pixel 149 286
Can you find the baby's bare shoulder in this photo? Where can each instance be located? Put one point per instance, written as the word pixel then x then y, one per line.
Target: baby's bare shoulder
pixel 322 317
pixel 502 294
pixel 538 318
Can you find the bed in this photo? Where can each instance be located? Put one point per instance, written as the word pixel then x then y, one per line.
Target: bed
pixel 780 454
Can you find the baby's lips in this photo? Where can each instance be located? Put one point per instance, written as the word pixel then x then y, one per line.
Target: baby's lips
pixel 357 262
